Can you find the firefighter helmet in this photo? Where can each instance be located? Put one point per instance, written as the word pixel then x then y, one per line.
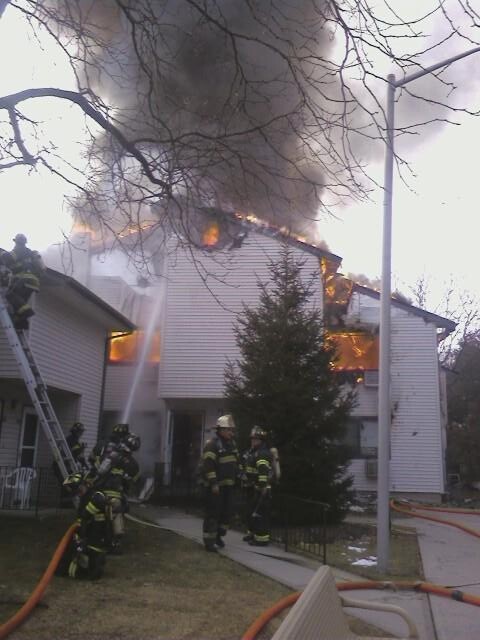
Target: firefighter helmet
pixel 73 481
pixel 78 428
pixel 20 239
pixel 258 432
pixel 121 429
pixel 133 441
pixel 225 422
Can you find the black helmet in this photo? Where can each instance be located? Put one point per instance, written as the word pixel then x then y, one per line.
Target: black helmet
pixel 120 430
pixel 78 428
pixel 73 482
pixel 133 441
pixel 258 432
pixel 20 239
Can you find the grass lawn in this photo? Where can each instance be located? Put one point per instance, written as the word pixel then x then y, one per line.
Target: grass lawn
pixel 163 587
pixel 355 543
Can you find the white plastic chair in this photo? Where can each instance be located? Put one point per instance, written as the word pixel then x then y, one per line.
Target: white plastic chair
pixel 18 485
pixel 318 613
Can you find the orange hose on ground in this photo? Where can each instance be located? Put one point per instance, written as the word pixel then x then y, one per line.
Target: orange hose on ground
pixel 419 505
pixel 425 587
pixel 411 510
pixel 264 618
pixel 39 590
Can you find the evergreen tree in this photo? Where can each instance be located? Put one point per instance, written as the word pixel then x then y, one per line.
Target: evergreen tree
pixel 284 382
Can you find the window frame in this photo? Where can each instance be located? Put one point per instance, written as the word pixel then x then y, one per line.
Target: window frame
pixel 357 451
pixel 28 411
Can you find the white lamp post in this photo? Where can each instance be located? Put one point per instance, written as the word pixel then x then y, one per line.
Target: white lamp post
pixel 384 405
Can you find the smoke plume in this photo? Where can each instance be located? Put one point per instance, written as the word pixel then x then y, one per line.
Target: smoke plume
pixel 224 97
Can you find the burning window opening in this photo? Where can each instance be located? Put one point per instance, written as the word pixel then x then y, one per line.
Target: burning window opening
pixel 127 349
pixel 356 352
pixel 211 235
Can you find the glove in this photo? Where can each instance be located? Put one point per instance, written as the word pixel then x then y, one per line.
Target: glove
pixel 215 489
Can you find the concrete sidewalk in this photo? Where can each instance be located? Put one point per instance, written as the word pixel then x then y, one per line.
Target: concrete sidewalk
pixel 295 571
pixel 451 558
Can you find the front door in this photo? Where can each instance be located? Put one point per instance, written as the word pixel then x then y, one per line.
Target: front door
pixel 187 429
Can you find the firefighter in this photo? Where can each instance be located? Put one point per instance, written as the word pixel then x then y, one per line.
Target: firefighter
pixel 116 471
pixel 257 474
pixel 85 554
pixel 102 449
pixel 26 267
pixel 220 464
pixel 76 446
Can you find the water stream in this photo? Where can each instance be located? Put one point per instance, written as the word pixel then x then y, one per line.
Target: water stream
pixel 147 340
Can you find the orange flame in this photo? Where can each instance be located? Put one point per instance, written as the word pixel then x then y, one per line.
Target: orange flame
pixel 356 351
pixel 211 235
pixel 126 349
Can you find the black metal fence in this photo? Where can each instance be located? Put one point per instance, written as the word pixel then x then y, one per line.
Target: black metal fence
pixel 298 525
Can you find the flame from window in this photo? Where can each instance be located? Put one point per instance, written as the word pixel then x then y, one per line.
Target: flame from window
pixel 211 235
pixel 126 349
pixel 355 351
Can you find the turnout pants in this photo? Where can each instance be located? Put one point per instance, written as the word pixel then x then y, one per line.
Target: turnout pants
pixel 258 515
pixel 218 510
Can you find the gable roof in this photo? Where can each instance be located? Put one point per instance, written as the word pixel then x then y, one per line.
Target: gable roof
pixel 252 223
pixel 439 321
pixel 71 290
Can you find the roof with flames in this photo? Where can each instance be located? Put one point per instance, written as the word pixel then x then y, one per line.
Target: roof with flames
pixel 250 222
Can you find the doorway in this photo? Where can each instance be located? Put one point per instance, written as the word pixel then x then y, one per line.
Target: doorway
pixel 187 428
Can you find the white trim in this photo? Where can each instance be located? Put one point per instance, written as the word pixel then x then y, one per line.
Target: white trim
pixel 28 411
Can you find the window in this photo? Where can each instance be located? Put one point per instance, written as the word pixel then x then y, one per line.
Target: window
pixel 362 437
pixel 28 441
pixel 355 351
pixel 126 349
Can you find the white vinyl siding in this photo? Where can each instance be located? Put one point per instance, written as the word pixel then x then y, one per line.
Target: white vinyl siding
pixel 417 457
pixel 416 438
pixel 119 382
pixel 69 349
pixel 367 401
pixel 67 337
pixel 199 316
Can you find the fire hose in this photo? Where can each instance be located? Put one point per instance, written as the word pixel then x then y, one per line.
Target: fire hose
pixel 37 593
pixel 256 627
pixel 35 597
pixel 406 508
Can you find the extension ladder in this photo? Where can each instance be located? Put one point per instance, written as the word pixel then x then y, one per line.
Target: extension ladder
pixel 37 390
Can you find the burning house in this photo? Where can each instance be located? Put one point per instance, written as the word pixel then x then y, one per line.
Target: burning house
pixel 202 286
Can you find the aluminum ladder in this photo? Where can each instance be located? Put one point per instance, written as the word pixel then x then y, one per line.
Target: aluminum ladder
pixel 37 390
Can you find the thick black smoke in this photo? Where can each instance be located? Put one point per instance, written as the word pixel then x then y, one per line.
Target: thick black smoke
pixel 224 95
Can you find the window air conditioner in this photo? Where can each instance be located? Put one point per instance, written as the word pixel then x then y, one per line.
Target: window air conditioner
pixel 371 469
